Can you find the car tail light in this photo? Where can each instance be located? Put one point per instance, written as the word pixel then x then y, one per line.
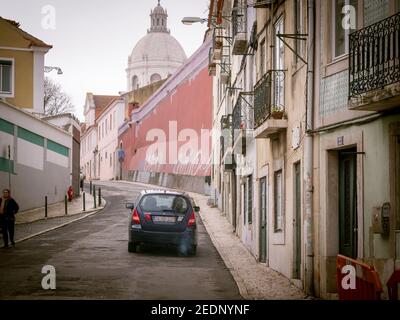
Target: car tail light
pixel 192 220
pixel 135 217
pixel 147 217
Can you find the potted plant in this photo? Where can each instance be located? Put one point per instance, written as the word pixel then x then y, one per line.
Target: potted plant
pixel 218 44
pixel 277 112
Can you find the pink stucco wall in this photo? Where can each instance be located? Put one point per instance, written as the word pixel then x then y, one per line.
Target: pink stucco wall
pixel 185 99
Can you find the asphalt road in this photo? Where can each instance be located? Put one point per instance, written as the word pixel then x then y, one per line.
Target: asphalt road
pixel 92 262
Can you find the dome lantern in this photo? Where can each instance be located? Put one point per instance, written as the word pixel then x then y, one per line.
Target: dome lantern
pixel 158 19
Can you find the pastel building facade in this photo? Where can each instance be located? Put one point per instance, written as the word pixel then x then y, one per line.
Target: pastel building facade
pixel 91 130
pixel 35 156
pixel 108 123
pixel 39 161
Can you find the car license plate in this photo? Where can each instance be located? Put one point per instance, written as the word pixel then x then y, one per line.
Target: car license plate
pixel 163 219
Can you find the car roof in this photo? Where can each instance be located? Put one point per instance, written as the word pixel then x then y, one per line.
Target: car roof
pixel 161 191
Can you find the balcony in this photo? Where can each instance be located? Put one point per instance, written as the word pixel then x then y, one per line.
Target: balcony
pixel 239 28
pixel 212 66
pixel 269 109
pixel 217 44
pixel 225 64
pixel 374 66
pixel 242 124
pixel 227 158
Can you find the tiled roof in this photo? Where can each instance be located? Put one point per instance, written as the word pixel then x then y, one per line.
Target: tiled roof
pixel 33 41
pixel 101 102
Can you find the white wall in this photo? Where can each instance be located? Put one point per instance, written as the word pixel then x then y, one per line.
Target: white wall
pixel 39 169
pixel 108 140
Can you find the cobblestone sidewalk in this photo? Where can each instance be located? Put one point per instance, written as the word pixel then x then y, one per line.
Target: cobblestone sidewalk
pixel 255 280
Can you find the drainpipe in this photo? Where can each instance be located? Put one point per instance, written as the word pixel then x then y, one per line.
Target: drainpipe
pixel 308 156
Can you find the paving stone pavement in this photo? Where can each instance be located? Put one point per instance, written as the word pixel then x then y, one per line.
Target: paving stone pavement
pixel 255 280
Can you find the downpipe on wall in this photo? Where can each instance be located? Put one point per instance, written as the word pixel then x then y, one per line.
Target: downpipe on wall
pixel 308 155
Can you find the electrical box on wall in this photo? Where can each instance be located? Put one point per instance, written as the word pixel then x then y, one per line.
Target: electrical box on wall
pixel 381 219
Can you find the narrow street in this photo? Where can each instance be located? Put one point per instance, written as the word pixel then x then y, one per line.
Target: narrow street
pixel 92 262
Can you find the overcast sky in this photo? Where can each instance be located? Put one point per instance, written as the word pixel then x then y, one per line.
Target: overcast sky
pixel 93 38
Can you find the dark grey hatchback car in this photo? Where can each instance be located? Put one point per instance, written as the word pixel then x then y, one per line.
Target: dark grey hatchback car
pixel 163 218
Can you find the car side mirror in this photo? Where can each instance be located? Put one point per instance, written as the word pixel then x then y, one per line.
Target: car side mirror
pixel 196 209
pixel 130 205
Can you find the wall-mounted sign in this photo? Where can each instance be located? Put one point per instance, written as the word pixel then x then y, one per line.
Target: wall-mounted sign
pixel 340 141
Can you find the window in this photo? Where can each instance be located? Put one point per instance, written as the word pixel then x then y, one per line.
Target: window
pixel 278 202
pixel 110 122
pixel 102 130
pixel 135 82
pixel 111 157
pixel 106 126
pixel 155 77
pixel 340 31
pixel 278 78
pixel 106 155
pixel 6 77
pixel 262 58
pixel 250 199
pixel 114 119
pixel 164 203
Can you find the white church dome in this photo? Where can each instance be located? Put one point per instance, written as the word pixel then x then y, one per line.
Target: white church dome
pixel 157 55
pixel 157 46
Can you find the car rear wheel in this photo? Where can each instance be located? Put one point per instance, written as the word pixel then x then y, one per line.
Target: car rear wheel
pixel 132 247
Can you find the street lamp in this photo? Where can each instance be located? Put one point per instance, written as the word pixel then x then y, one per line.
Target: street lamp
pixel 191 20
pixel 49 69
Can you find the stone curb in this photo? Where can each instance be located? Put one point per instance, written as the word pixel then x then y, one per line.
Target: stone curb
pixel 91 213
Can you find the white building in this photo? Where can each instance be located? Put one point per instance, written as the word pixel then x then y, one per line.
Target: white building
pixel 69 123
pixel 35 158
pixel 93 108
pixel 156 56
pixel 108 123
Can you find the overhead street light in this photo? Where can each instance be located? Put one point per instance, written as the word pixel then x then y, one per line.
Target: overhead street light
pixel 191 20
pixel 49 69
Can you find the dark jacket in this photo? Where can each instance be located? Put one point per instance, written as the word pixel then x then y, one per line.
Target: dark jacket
pixel 10 209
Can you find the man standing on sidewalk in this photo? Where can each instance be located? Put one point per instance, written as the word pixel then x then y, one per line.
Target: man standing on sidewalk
pixel 8 208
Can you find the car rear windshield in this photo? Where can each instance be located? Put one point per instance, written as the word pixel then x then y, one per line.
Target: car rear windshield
pixel 164 202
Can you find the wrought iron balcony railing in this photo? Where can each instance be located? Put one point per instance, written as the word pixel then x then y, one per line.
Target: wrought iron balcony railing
pixel 211 63
pixel 242 115
pixel 227 130
pixel 269 97
pixel 239 27
pixel 239 17
pixel 374 56
pixel 237 118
